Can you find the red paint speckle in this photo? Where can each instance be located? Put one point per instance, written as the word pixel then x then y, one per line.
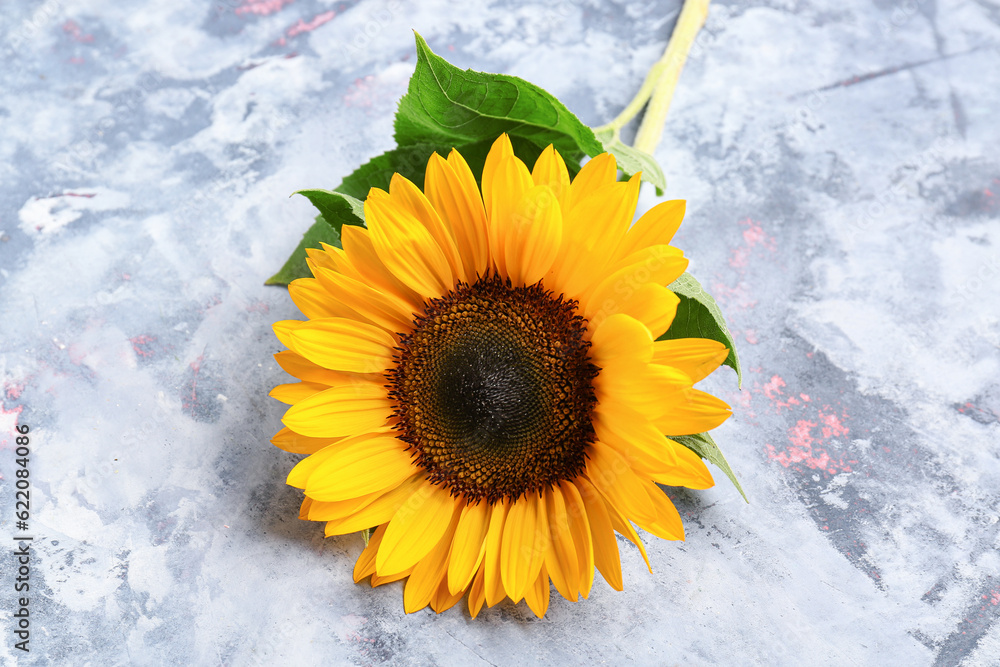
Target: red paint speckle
pixel 832 426
pixel 73 30
pixel 262 7
pixel 8 422
pixel 773 388
pixel 190 400
pixel 360 93
pixel 809 447
pixel 85 195
pixel 76 60
pixel 809 440
pixel 142 345
pixel 302 26
pixel 753 236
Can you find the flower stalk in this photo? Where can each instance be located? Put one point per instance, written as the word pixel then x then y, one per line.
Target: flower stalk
pixel 657 91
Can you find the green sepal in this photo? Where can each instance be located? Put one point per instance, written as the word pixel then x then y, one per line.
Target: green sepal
pixel 704 446
pixel 632 161
pixel 699 316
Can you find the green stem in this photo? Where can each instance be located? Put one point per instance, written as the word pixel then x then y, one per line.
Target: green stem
pixel 658 87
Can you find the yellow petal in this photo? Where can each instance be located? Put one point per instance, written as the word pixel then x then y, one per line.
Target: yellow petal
pixel 408 196
pixel 606 555
pixel 320 258
pixel 300 367
pixel 469 546
pixel 656 265
pixel 533 236
pixel 668 524
pixel 283 330
pixel 696 413
pixel 293 392
pixel 650 389
pixel 314 301
pixel 365 567
pixel 561 560
pixel 621 337
pixel 290 441
pixel 583 544
pixel 510 183
pixel 382 309
pixel 501 149
pixel 377 511
pixel 444 599
pixel 622 524
pixel 304 508
pixel 389 578
pixel 430 572
pixel 599 172
pixel 525 540
pixel 300 473
pixel 340 411
pixel 333 259
pixel 550 170
pixel 614 478
pixel 697 357
pixel 341 344
pixel 537 593
pixel 653 305
pixel 416 528
pixel 477 593
pixel 451 188
pixel 689 471
pixel 407 249
pixel 335 510
pixel 358 245
pixel 636 439
pixel 591 231
pixel 361 466
pixel 657 226
pixel 493 583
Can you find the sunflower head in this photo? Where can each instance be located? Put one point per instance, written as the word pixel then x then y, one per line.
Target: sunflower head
pixel 480 380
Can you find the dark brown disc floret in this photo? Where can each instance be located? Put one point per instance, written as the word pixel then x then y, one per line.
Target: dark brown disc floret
pixel 493 390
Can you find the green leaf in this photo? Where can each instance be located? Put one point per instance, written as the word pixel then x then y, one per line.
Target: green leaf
pixel 366 535
pixel 698 316
pixel 295 267
pixel 448 105
pixel 704 446
pixel 632 161
pixel 335 205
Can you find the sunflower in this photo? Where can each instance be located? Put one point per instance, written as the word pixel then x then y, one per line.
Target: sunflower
pixel 480 380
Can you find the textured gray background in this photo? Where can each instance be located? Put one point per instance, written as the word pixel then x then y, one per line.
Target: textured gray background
pixel 843 185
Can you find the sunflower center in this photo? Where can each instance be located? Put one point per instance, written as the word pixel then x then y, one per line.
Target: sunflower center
pixel 493 390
